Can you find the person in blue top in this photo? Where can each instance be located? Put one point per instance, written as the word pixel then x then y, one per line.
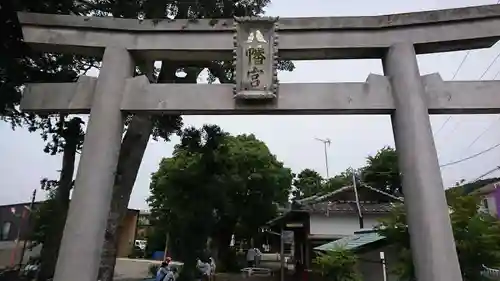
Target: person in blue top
pixel 164 273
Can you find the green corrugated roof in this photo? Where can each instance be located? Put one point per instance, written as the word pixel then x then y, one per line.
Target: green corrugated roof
pixel 351 242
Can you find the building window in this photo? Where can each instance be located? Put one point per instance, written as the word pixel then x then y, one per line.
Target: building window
pixel 485 204
pixel 143 220
pixel 483 207
pixel 5 231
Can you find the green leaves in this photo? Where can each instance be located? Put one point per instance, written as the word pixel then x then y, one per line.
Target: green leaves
pixel 19 65
pixel 382 171
pixel 307 183
pixel 338 265
pixel 476 236
pixel 43 215
pixel 217 181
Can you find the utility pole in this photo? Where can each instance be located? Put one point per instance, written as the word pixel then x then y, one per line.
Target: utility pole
pixel 167 241
pixel 358 205
pixel 26 223
pixel 325 142
pixel 282 256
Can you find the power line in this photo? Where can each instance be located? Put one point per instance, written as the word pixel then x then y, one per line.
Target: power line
pixel 461 64
pixel 489 127
pixel 453 78
pixel 470 157
pixel 401 199
pixel 481 176
pixel 453 162
pixel 482 75
pixel 485 174
pixel 482 134
pixel 490 65
pixel 480 78
pixel 496 75
pixel 442 126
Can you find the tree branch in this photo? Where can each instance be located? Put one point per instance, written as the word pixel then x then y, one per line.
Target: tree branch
pixel 88 4
pixel 218 71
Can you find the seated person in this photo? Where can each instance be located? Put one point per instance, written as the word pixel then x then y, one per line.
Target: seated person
pixel 165 272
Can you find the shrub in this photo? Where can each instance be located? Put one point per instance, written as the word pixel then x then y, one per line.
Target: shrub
pixel 153 268
pixel 338 265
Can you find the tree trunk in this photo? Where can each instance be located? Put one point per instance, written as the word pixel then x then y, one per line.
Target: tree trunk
pixel 222 240
pixel 50 248
pixel 131 153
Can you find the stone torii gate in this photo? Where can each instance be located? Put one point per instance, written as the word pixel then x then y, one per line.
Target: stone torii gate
pixel 254 45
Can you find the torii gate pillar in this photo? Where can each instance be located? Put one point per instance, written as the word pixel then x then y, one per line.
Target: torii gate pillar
pixel 403 94
pixel 88 211
pixel 432 245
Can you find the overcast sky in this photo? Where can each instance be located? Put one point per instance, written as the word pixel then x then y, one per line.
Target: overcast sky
pixel 291 138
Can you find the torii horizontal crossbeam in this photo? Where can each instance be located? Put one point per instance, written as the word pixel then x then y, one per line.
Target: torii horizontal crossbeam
pixel 300 38
pixel 372 97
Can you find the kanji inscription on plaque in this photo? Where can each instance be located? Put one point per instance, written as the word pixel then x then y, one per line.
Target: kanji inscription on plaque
pixel 255 58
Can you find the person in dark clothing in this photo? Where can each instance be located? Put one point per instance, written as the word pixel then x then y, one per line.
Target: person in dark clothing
pixel 299 270
pixel 204 269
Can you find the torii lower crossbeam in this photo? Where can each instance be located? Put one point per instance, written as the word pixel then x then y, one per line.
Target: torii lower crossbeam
pixel 402 93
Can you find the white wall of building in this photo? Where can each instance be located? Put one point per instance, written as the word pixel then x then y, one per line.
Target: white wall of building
pixel 339 225
pixel 488 203
pixel 6 249
pixel 370 265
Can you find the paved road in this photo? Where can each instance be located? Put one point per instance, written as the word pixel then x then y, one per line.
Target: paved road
pixel 137 269
pixel 132 269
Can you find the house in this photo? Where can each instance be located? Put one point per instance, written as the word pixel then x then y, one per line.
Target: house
pixel 374 254
pixel 143 224
pixel 490 195
pixel 319 223
pixel 16 228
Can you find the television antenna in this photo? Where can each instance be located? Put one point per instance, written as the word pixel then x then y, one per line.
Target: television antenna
pixel 326 142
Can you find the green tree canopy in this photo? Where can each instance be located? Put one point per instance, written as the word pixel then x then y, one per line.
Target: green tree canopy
pixel 339 181
pixel 21 66
pixel 382 171
pixel 307 183
pixel 216 185
pixel 476 233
